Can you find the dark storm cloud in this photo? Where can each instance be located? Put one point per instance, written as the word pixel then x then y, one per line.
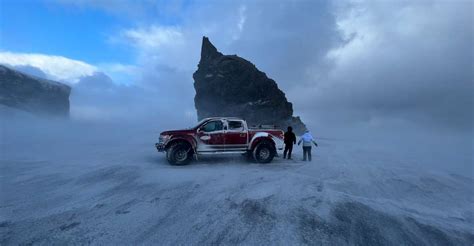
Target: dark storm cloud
pixel 288 40
pixel 408 61
pixel 340 62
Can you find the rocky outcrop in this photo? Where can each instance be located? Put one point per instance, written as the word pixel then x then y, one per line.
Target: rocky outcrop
pixel 32 94
pixel 228 85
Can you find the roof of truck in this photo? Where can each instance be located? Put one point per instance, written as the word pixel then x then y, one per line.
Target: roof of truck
pixel 220 118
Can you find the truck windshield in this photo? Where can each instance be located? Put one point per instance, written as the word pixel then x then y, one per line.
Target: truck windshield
pixel 198 124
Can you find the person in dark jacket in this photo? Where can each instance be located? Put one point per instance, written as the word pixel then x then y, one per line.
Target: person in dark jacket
pixel 290 140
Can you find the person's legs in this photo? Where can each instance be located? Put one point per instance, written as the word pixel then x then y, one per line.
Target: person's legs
pixel 285 151
pixel 309 153
pixel 290 149
pixel 304 153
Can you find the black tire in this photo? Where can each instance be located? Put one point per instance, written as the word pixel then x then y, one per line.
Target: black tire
pixel 179 154
pixel 264 152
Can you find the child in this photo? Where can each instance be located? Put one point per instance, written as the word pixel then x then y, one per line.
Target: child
pixel 289 140
pixel 307 139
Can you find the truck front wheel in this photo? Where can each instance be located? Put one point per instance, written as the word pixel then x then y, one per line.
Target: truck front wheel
pixel 179 154
pixel 264 152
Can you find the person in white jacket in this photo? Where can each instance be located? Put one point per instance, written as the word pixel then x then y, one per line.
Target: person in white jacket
pixel 307 140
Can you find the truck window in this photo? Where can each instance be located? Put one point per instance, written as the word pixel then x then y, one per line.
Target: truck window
pixel 213 126
pixel 236 126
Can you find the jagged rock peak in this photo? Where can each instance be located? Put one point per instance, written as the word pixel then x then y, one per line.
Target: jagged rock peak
pixel 228 85
pixel 208 51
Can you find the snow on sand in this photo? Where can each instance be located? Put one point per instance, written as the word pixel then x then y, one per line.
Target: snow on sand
pixel 86 184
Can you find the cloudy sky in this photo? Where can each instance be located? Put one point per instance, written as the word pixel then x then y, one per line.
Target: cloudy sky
pixel 340 62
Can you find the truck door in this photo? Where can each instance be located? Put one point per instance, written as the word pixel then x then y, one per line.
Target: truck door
pixel 211 136
pixel 236 136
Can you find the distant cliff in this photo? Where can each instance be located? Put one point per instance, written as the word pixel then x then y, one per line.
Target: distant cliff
pixel 32 94
pixel 228 85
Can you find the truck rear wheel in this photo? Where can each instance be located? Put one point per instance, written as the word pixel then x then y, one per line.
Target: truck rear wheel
pixel 179 154
pixel 264 152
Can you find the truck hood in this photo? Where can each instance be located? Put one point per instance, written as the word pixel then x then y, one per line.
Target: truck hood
pixel 175 132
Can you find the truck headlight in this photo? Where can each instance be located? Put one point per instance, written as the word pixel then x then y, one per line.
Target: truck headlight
pixel 164 138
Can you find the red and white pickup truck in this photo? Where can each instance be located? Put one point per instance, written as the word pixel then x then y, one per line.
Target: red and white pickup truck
pixel 220 135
